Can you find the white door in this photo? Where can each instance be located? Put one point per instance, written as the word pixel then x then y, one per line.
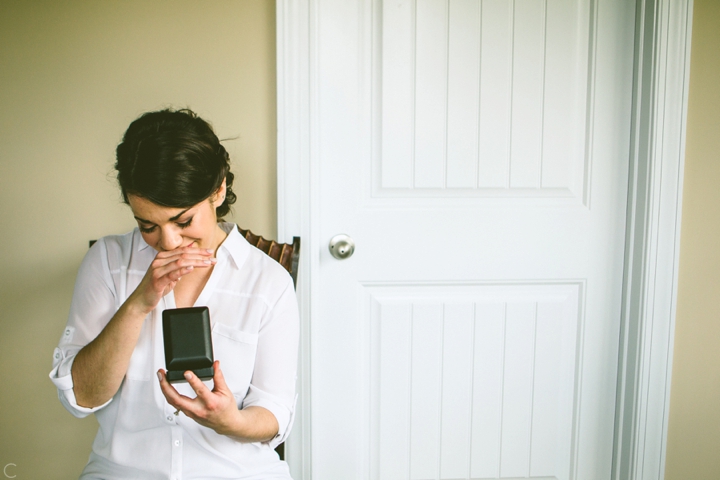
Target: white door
pixel 477 153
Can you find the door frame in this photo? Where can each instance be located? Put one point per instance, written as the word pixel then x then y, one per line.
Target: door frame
pixel 657 153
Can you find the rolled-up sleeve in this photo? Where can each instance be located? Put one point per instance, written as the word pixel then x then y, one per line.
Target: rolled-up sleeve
pixel 61 376
pixel 273 382
pixel 93 304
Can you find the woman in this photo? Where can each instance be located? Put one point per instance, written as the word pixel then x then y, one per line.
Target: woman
pixel 175 176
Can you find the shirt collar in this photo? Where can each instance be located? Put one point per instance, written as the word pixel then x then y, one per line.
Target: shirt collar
pixel 235 246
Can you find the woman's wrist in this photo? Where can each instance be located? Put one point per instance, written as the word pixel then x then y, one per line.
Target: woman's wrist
pixel 253 424
pixel 136 306
pixel 233 425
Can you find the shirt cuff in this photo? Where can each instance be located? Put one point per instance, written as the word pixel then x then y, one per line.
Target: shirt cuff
pixel 283 411
pixel 61 376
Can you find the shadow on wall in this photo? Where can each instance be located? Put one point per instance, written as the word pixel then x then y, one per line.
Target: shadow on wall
pixel 34 311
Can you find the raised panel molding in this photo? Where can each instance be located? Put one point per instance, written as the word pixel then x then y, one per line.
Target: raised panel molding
pixel 482 111
pixel 489 371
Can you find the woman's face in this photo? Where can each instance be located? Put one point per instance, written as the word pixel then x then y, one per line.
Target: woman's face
pixel 168 228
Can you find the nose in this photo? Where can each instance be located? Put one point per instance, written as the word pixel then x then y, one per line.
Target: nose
pixel 169 239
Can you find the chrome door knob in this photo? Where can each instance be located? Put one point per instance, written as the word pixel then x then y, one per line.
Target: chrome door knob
pixel 341 247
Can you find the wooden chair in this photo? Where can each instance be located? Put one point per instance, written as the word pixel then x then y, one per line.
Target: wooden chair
pixel 287 255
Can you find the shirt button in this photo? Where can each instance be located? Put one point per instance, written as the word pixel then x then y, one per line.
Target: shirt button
pixel 57 355
pixel 67 332
pixel 177 443
pixel 169 417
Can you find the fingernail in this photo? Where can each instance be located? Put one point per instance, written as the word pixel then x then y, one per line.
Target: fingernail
pixel 188 375
pixel 160 376
pixel 210 250
pixel 190 267
pixel 207 261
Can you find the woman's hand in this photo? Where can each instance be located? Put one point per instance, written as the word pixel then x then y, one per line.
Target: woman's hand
pixel 216 408
pixel 166 270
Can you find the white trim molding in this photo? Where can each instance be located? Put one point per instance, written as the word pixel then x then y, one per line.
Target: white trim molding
pixel 662 64
pixel 294 199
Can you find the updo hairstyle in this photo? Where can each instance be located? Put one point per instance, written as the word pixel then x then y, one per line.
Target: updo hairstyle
pixel 174 159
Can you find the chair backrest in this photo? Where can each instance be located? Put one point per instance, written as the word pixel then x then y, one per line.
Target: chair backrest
pixel 286 254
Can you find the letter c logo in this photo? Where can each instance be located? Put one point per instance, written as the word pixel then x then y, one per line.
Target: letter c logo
pixel 5 470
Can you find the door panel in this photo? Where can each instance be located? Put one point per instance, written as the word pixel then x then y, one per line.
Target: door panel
pixel 483 98
pixel 473 381
pixel 477 152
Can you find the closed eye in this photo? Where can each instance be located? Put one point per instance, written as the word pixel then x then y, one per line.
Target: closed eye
pixel 185 224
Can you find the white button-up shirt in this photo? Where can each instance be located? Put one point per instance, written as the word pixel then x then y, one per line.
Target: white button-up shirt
pixel 255 328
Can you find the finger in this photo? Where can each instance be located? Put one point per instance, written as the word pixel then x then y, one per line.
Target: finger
pixel 219 384
pixel 160 271
pixel 164 284
pixel 186 259
pixel 176 275
pixel 161 267
pixel 167 282
pixel 183 260
pixel 204 252
pixel 180 402
pixel 169 287
pixel 166 257
pixel 201 390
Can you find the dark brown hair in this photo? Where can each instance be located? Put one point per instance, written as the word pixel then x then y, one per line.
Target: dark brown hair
pixel 173 158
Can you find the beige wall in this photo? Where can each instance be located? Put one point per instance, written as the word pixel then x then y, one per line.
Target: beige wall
pixel 73 74
pixel 694 432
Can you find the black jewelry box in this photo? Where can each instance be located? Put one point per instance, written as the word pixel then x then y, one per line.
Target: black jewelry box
pixel 188 343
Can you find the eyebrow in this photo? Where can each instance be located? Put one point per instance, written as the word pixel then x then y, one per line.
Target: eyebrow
pixel 172 219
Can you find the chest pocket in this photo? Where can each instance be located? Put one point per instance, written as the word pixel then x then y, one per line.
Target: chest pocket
pixel 236 351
